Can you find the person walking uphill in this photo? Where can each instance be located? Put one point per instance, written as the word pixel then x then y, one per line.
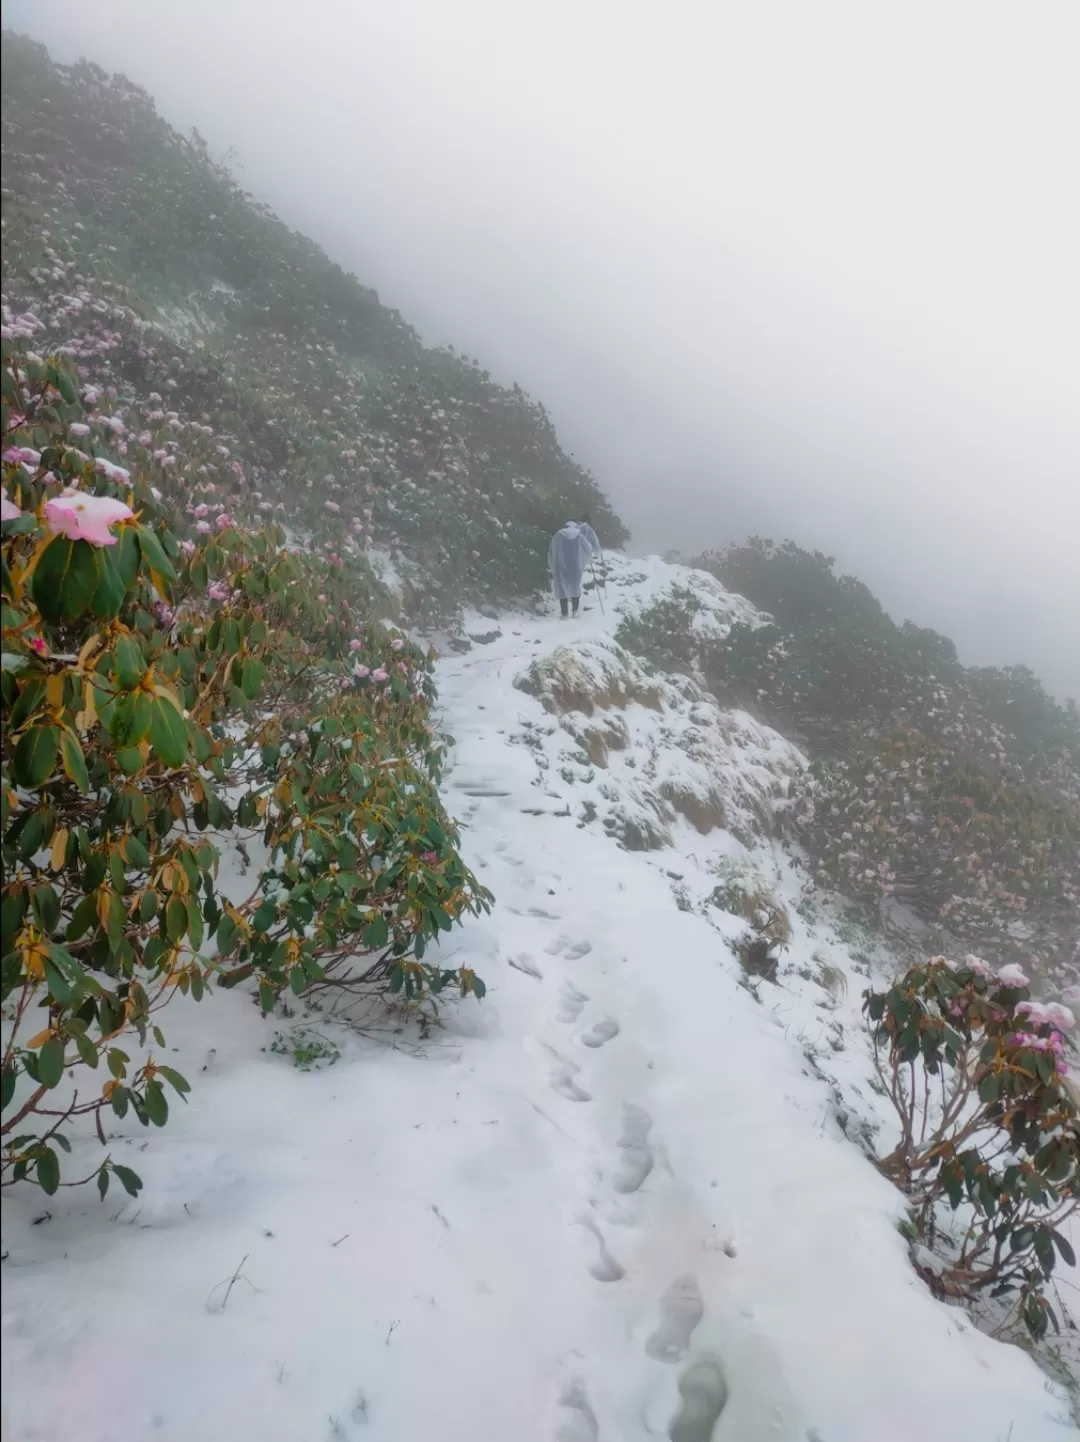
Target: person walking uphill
pixel 568 555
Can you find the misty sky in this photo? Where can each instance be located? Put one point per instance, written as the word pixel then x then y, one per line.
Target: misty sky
pixel 801 269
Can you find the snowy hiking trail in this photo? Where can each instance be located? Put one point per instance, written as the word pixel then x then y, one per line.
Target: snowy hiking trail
pixel 609 1203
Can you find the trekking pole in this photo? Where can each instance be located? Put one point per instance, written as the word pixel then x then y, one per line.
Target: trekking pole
pixel 596 586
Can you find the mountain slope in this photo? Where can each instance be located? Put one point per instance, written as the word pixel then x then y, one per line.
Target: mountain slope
pixel 131 248
pixel 635 1171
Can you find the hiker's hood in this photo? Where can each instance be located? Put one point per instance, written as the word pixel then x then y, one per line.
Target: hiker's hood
pixel 570 529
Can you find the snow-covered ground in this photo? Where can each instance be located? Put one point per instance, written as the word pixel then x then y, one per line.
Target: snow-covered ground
pixel 620 1197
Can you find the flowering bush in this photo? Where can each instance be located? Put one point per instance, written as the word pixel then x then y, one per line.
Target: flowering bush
pixel 994 861
pixel 976 1072
pixel 953 790
pixel 165 693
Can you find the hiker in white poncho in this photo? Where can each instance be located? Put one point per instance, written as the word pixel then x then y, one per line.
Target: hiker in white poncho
pixel 568 555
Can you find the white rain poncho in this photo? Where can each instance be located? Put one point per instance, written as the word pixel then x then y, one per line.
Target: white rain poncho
pixel 568 555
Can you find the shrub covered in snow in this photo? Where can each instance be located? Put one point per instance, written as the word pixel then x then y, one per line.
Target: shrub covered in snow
pixel 662 633
pixel 172 680
pixel 834 664
pixel 994 861
pixel 988 1126
pixel 953 790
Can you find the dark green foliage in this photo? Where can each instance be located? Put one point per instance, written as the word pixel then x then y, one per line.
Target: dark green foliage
pixel 988 1123
pixel 235 685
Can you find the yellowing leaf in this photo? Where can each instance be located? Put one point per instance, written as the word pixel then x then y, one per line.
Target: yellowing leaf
pixel 59 847
pixel 88 715
pixel 167 694
pixel 89 647
pixel 39 1040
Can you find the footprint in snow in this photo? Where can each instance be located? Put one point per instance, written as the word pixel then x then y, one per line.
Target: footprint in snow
pixel 703 1393
pixel 525 963
pixel 605 1268
pixel 681 1309
pixel 636 1161
pixel 578 1423
pixel 570 1003
pixel 602 1032
pixel 561 947
pixel 563 1083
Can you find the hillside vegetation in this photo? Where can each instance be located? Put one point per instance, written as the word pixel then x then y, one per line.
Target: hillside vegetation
pixel 954 790
pixel 130 249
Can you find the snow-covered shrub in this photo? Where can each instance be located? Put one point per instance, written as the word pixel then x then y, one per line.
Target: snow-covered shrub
pixel 993 860
pixel 988 1125
pixel 662 633
pixel 833 664
pixel 744 892
pixel 161 692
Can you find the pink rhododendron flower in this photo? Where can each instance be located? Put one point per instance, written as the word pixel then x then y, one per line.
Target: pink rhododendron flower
pixel 38 646
pixel 9 511
pixel 217 591
pixel 22 456
pixel 355 645
pixel 977 965
pixel 1030 1040
pixel 428 857
pixel 202 527
pixel 1034 1011
pixel 85 518
pixel 202 509
pixel 188 547
pixel 78 429
pixel 331 505
pixel 223 521
pixel 1012 976
pixel 361 672
pixel 397 644
pixel 379 675
pixel 1059 1016
pixel 111 472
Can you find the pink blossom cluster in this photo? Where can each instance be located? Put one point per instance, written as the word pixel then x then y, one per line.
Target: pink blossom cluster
pixel 1053 1044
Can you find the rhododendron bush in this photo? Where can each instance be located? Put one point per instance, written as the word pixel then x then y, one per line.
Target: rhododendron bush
pixel 991 860
pixel 989 1128
pixel 171 685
